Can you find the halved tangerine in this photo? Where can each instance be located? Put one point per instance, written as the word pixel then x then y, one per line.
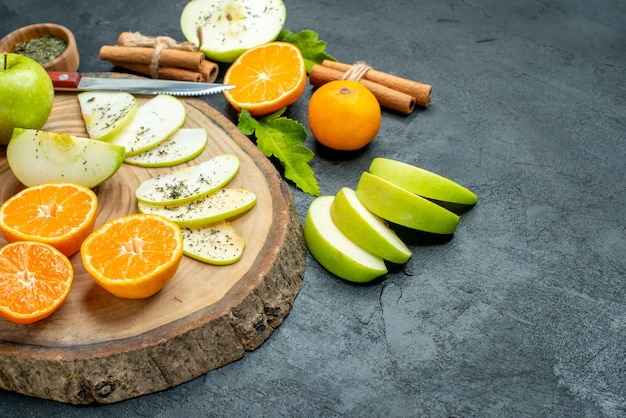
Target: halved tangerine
pixel 59 214
pixel 133 256
pixel 35 279
pixel 266 78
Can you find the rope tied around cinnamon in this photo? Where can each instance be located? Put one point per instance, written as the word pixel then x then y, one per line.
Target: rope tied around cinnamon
pixel 356 71
pixel 159 43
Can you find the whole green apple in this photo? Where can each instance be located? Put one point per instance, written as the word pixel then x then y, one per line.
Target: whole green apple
pixel 26 95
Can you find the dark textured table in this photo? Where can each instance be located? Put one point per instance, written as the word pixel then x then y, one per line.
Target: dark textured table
pixel 522 312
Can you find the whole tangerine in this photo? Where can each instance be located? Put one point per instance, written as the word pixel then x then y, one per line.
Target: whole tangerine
pixel 344 115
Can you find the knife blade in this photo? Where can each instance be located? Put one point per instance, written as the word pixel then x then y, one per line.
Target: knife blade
pixel 64 81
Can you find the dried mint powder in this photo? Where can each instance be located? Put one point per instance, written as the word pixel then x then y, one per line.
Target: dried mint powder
pixel 43 49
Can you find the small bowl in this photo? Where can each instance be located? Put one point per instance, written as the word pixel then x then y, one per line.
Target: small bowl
pixel 67 61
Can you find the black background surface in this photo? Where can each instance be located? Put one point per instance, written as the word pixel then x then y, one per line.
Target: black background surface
pixel 523 312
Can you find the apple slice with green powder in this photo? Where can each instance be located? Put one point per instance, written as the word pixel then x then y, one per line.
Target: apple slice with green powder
pixel 217 243
pixel 422 182
pixel 188 183
pixel 154 122
pixel 224 29
pixel 402 207
pixel 365 229
pixel 106 113
pixel 220 205
pixel 37 157
pixel 335 251
pixel 184 145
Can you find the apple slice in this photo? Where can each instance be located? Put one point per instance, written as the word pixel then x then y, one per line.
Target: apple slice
pixel 422 182
pixel 216 243
pixel 228 28
pixel 154 122
pixel 37 157
pixel 220 205
pixel 365 229
pixel 184 145
pixel 403 207
pixel 106 113
pixel 189 183
pixel 335 251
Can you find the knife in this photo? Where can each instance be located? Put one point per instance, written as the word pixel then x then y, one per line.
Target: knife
pixel 64 81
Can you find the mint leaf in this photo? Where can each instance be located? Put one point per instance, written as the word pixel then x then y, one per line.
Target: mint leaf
pixel 282 138
pixel 313 50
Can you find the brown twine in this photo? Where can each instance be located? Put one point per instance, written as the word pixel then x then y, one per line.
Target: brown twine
pixel 357 71
pixel 159 43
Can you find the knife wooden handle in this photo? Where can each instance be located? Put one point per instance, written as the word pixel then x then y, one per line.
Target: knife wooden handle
pixel 65 80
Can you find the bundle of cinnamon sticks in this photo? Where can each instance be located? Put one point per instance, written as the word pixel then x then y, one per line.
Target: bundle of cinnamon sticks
pixel 160 57
pixel 393 92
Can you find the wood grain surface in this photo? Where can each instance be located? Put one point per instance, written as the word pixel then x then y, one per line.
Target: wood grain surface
pixel 101 348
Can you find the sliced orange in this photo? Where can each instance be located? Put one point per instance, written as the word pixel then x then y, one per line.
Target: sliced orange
pixel 59 214
pixel 266 78
pixel 35 279
pixel 133 256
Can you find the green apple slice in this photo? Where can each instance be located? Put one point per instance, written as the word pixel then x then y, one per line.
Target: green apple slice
pixel 189 183
pixel 154 122
pixel 220 205
pixel 216 243
pixel 106 113
pixel 403 207
pixel 184 145
pixel 229 27
pixel 37 157
pixel 335 251
pixel 422 182
pixel 365 229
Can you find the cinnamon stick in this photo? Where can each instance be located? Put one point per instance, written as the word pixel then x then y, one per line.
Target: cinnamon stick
pixel 190 60
pixel 166 73
pixel 420 91
pixel 387 97
pixel 209 71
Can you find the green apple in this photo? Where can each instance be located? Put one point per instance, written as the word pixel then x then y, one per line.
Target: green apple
pixel 217 243
pixel 220 205
pixel 188 183
pixel 333 250
pixel 224 29
pixel 26 95
pixel 106 113
pixel 365 229
pixel 400 206
pixel 422 182
pixel 154 122
pixel 37 157
pixel 184 145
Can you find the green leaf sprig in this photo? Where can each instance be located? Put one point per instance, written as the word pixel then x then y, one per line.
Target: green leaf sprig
pixel 282 138
pixel 312 48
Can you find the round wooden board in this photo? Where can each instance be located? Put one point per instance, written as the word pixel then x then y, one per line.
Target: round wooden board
pixel 100 348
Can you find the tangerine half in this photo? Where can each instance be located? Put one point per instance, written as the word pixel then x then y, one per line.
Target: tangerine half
pixel 133 256
pixel 266 78
pixel 59 214
pixel 35 280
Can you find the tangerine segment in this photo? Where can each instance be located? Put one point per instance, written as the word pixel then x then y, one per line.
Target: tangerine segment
pixel 267 78
pixel 133 256
pixel 59 214
pixel 35 279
